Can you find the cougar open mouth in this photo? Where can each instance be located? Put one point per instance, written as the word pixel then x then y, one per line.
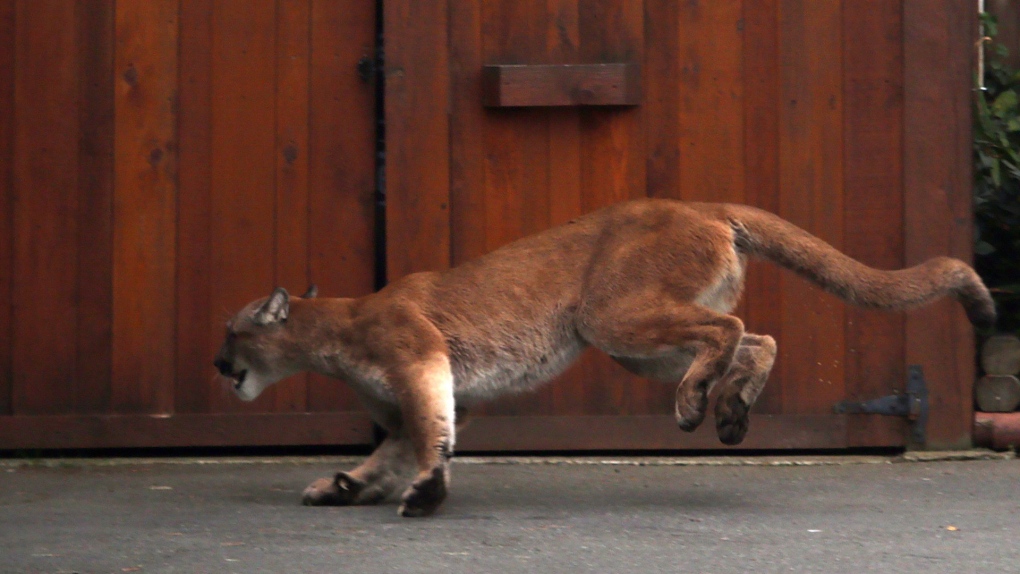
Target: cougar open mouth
pixel 239 379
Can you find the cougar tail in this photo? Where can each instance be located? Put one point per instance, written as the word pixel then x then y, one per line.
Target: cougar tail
pixel 763 234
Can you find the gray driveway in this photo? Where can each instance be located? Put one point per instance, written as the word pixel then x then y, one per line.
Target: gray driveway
pixel 825 515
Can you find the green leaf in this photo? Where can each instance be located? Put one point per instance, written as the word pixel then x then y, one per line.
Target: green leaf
pixel 1004 103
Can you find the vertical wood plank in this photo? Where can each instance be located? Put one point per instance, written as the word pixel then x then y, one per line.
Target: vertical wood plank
pixel 341 166
pixel 662 90
pixel 873 132
pixel 293 30
pixel 95 217
pixel 761 156
pixel 562 43
pixel 7 130
pixel 145 205
pixel 199 326
pixel 467 134
pixel 45 207
pixel 417 153
pixel 938 40
pixel 711 135
pixel 612 140
pixel 243 149
pixel 811 195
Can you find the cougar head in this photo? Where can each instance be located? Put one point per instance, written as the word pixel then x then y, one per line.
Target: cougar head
pixel 253 355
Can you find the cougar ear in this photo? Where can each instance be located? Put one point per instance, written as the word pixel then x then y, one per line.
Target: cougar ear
pixel 275 309
pixel 312 293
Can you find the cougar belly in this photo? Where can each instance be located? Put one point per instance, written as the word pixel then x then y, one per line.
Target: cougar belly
pixel 514 363
pixel 670 368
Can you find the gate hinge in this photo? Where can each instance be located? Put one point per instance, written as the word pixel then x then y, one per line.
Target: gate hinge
pixel 913 404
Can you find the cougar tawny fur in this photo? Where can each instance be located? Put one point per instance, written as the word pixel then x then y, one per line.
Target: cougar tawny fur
pixel 650 282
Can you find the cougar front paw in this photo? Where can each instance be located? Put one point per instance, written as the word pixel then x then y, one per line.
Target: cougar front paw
pixel 425 495
pixel 341 490
pixel 731 418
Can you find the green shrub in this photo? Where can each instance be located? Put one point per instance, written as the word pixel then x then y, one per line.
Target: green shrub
pixel 997 182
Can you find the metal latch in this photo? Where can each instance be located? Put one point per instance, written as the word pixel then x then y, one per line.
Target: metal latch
pixel 913 405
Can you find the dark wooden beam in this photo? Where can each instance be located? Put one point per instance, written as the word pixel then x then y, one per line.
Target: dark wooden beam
pixel 561 85
pixel 200 430
pixel 659 432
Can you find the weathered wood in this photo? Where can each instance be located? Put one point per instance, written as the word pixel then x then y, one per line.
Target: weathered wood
pixel 938 50
pixel 183 430
pixel 524 85
pixel 1000 355
pixel 997 393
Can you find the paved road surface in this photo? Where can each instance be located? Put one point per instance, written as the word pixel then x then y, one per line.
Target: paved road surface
pixel 898 517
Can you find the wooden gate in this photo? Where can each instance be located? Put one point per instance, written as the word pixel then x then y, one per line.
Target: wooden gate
pixel 162 163
pixel 848 118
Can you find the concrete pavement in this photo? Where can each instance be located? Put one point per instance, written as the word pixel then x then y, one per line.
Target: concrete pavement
pixel 846 515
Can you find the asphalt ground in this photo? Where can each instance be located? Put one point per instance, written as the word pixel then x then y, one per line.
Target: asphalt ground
pixel 865 514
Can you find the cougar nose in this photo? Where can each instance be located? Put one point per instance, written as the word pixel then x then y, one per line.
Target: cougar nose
pixel 225 368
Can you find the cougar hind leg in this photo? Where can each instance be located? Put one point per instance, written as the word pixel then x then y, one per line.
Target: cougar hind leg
pixel 742 385
pixel 663 338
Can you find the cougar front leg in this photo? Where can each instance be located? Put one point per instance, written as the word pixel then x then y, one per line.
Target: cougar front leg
pixel 427 410
pixel 742 385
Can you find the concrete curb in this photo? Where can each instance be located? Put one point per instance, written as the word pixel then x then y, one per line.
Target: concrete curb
pixel 775 460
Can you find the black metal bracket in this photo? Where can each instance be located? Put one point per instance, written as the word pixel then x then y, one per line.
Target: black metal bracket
pixel 913 404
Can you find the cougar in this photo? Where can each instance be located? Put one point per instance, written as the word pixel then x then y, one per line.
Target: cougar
pixel 649 282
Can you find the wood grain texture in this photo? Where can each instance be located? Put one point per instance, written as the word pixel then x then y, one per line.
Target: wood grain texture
pixel 8 46
pixel 938 38
pixel 762 82
pixel 46 207
pixel 711 91
pixel 811 196
pixel 95 187
pixel 145 206
pixel 417 156
pixel 341 228
pixel 873 205
pixel 467 134
pixel 662 70
pixel 199 326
